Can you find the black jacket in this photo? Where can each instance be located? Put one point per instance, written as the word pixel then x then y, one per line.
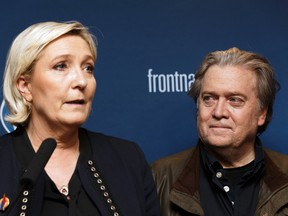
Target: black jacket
pixel 122 166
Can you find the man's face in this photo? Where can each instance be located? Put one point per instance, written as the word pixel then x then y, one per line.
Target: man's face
pixel 228 108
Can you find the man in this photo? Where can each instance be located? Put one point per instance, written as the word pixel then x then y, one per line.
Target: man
pixel 228 172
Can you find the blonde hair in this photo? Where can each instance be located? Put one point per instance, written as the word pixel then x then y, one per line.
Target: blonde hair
pixel 23 54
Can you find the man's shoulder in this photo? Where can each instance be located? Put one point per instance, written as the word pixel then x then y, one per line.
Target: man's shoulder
pixel 280 159
pixel 175 158
pixel 173 163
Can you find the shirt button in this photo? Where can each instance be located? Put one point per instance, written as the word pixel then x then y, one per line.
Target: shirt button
pixel 232 202
pixel 218 174
pixel 226 188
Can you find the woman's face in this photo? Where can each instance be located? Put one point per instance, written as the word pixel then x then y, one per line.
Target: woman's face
pixel 62 85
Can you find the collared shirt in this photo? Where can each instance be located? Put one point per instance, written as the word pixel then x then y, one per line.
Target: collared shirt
pixel 231 192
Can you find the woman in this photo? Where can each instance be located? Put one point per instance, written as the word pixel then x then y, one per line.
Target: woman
pixel 48 88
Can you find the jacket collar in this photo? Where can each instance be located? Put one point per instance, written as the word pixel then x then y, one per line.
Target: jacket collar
pixel 187 184
pixel 273 172
pixel 188 181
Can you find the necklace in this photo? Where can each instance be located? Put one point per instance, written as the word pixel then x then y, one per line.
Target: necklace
pixel 64 190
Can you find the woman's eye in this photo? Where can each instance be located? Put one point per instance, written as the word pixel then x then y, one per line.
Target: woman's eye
pixel 89 68
pixel 60 66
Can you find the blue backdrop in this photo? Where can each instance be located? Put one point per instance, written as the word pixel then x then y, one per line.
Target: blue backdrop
pixel 148 51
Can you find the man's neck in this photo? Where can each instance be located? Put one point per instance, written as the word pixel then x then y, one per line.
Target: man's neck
pixel 233 157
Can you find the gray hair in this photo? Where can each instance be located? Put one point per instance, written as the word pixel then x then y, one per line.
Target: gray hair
pixel 267 85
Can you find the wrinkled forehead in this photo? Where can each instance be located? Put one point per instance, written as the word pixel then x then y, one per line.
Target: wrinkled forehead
pixel 229 78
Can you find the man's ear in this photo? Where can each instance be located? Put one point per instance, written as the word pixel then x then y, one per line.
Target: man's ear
pixel 24 88
pixel 262 117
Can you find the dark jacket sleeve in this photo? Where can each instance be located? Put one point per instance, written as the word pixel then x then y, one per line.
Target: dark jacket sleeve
pixel 128 175
pixel 9 182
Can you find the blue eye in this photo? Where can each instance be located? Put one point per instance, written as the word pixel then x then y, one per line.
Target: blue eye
pixel 89 68
pixel 60 66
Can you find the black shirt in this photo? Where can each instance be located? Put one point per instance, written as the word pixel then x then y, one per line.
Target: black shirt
pixel 77 203
pixel 54 203
pixel 231 192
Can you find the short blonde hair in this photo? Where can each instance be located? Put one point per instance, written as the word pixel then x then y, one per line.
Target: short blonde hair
pixel 23 54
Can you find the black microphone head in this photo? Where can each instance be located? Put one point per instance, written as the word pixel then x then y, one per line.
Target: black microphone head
pixel 37 164
pixel 47 147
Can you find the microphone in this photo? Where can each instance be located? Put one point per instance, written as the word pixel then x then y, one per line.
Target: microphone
pixel 36 166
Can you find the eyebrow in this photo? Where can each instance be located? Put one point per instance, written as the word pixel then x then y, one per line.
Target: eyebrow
pixel 86 57
pixel 229 94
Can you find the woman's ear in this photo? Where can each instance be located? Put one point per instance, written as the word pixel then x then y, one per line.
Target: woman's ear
pixel 24 88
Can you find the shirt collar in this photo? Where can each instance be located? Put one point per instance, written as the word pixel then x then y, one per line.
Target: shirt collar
pixel 212 164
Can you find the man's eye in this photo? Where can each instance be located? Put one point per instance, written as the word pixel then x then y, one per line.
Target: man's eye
pixel 208 100
pixel 236 101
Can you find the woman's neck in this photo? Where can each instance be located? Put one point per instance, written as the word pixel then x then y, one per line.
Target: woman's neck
pixel 62 163
pixel 66 139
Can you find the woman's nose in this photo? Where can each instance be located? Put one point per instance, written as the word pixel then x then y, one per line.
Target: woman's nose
pixel 79 79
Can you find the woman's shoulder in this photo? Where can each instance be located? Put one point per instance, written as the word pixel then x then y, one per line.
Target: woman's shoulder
pixel 7 153
pixel 6 140
pixel 103 142
pixel 8 137
pixel 102 137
